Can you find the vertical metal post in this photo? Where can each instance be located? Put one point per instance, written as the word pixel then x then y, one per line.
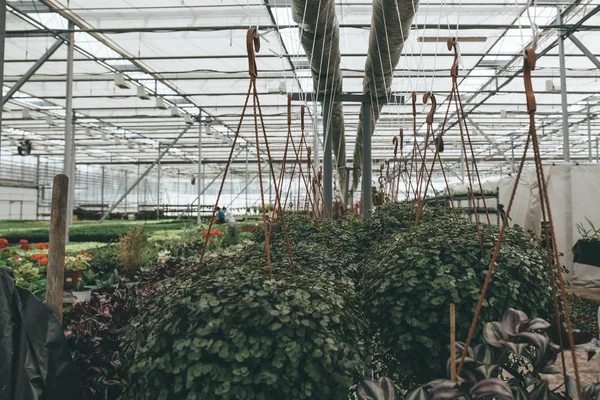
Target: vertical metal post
pixel 512 152
pixel 563 88
pixel 69 156
pixel 38 186
pixel 327 161
pixel 126 186
pixel 199 184
pixel 270 184
pixel 597 158
pixel 138 189
pixel 315 147
pixel 2 37
pixel 102 189
pixel 367 163
pixel 247 211
pixel 158 187
pixel 589 126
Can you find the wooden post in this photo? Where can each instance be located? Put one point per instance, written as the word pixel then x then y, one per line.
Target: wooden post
pixel 453 343
pixel 56 246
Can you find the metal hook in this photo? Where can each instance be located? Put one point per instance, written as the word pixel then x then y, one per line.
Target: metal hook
pixel 426 97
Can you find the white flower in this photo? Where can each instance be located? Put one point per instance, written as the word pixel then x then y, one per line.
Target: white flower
pixel 164 256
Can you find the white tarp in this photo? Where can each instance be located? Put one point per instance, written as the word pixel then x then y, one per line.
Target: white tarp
pixel 574 192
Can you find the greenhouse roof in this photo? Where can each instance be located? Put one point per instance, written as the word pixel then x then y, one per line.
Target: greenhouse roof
pixel 192 53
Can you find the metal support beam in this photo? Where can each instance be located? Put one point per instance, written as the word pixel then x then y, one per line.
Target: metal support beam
pixel 34 69
pixel 69 156
pixel 490 141
pixel 316 146
pixel 589 129
pixel 2 37
pixel 102 190
pixel 199 179
pixel 563 89
pixel 585 51
pixel 246 150
pixel 158 185
pixel 367 166
pixel 141 177
pixel 327 162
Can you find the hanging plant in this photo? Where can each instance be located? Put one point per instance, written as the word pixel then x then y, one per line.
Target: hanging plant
pixel 414 275
pixel 233 333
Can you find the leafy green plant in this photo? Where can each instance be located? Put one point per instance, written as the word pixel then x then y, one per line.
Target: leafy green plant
pixel 227 331
pixel 80 286
pixel 80 262
pixel 131 250
pixel 29 276
pixel 411 278
pixel 508 365
pixel 104 259
pixel 109 282
pixel 232 235
pixel 591 233
pixel 584 313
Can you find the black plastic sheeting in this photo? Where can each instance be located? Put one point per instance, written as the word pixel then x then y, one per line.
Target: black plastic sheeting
pixel 35 362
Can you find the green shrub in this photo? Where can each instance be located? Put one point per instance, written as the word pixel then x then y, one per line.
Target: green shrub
pixel 584 313
pixel 413 277
pixel 233 333
pixel 232 235
pixel 105 259
pixel 131 250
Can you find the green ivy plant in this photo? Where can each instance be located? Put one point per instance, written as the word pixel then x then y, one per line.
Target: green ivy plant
pixel 412 277
pixel 227 331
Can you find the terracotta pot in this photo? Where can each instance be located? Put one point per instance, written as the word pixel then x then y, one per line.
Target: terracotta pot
pixel 72 278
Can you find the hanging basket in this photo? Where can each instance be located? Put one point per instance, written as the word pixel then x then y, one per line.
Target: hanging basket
pixel 587 252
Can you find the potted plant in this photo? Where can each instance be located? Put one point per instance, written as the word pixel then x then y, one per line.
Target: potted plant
pixel 74 267
pixel 587 249
pixel 81 292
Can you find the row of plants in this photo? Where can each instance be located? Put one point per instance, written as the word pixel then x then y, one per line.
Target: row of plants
pixel 94 328
pixel 367 297
pixel 83 231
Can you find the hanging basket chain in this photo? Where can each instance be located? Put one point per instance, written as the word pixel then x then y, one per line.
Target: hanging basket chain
pixel 529 65
pixel 460 112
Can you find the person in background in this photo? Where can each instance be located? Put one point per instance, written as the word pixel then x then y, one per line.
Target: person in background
pixel 229 216
pixel 220 215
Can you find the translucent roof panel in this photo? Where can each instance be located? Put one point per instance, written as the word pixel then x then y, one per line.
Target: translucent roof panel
pixel 193 54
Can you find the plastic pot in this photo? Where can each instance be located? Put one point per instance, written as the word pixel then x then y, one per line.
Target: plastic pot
pixel 79 296
pixel 587 252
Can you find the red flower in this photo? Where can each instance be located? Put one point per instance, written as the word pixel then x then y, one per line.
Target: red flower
pixel 41 246
pixel 213 232
pixel 39 258
pixel 23 241
pixel 25 246
pixel 3 243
